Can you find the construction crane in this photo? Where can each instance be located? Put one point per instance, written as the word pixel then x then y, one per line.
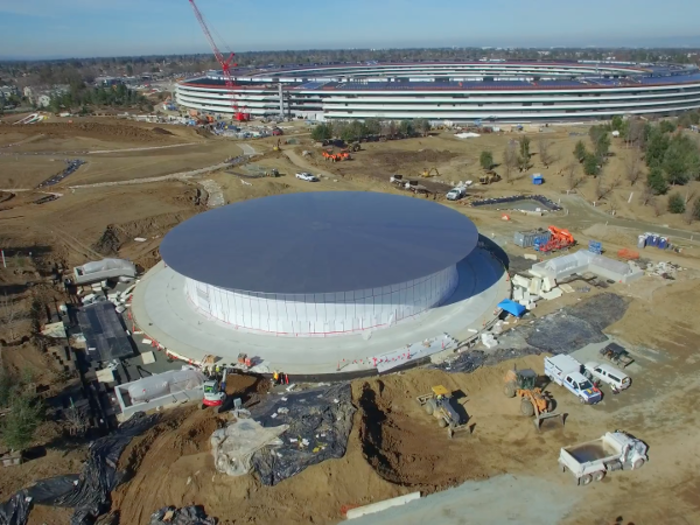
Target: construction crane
pixel 225 63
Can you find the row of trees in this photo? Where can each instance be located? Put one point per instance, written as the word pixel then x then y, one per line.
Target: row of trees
pixel 355 130
pixel 80 95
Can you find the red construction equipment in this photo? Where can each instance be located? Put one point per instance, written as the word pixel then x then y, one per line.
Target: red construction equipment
pixel 225 63
pixel 559 240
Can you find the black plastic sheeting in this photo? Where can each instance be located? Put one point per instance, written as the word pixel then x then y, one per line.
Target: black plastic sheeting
pixel 90 492
pixel 561 332
pixel 515 198
pixel 193 515
pixel 322 416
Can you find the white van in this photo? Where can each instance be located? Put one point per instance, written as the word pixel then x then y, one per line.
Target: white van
pixel 609 375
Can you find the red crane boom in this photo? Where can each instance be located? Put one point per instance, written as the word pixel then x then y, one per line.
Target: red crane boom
pixel 225 63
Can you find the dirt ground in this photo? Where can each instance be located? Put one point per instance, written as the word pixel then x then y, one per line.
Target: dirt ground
pixel 394 447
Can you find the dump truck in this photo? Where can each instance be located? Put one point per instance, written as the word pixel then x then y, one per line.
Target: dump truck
pixel 592 460
pixel 439 404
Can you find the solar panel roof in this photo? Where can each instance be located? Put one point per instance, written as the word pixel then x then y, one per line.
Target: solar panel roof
pixel 319 242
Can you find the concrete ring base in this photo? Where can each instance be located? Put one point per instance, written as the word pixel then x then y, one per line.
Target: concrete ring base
pixel 161 309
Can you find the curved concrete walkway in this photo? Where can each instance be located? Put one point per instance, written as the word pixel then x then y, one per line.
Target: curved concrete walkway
pixel 162 310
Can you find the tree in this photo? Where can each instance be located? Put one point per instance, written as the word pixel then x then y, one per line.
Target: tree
pixel 602 147
pixel 406 128
pixel 572 178
pixel 666 126
pixel 681 161
pixel 130 70
pixel 636 132
pixel 590 165
pixel 486 160
pixel 580 151
pixel 656 145
pixel 9 313
pixel 544 147
pixel 322 132
pixel 695 209
pixel 510 161
pixel 676 204
pixel 616 123
pixel 656 181
pixel 524 155
pixel 22 420
pixel 633 166
pixel 373 126
pixel 353 132
pixel 422 125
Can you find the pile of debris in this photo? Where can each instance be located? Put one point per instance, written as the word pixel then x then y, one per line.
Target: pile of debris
pixel 665 269
pixel 527 291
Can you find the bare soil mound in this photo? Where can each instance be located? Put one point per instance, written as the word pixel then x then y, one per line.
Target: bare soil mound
pixel 395 160
pixel 95 130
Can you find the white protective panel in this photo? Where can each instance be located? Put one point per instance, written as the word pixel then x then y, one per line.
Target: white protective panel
pixel 323 314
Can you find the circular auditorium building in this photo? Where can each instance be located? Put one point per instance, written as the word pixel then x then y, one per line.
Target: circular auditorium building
pixel 459 92
pixel 319 264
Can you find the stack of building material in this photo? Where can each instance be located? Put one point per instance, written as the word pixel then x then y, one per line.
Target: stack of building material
pixel 528 291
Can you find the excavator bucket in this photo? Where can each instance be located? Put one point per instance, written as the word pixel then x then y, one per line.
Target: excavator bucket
pixel 548 416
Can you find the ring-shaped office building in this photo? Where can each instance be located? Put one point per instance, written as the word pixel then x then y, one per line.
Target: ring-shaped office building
pixel 491 91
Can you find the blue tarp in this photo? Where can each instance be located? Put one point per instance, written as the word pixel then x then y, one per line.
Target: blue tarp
pixel 512 307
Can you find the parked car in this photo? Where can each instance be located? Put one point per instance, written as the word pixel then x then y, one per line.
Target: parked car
pixel 607 374
pixel 307 177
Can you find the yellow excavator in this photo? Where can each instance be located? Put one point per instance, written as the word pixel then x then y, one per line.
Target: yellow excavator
pixel 430 173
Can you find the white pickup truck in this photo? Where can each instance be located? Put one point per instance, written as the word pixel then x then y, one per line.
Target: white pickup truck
pixel 590 461
pixel 456 193
pixel 565 371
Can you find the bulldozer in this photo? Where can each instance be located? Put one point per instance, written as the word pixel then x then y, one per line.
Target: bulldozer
pixel 430 173
pixel 489 178
pixel 533 401
pixel 439 404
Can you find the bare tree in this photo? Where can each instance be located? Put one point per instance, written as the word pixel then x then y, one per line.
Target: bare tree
pixel 600 190
pixel 635 135
pixel 633 167
pixel 510 160
pixel 647 196
pixel 689 196
pixel 9 312
pixel 572 177
pixel 76 420
pixel 658 206
pixel 544 147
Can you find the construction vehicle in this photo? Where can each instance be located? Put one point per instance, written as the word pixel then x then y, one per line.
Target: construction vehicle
pixel 430 172
pixel 397 180
pixel 272 173
pixel 559 240
pixel 533 401
pixel 439 404
pixel 591 461
pixel 456 193
pixel 489 178
pixel 215 391
pixel 354 147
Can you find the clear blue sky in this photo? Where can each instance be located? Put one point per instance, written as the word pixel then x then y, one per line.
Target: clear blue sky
pixel 62 28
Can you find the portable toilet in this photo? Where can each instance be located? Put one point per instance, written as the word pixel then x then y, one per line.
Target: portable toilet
pixel 641 241
pixel 663 243
pixel 537 179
